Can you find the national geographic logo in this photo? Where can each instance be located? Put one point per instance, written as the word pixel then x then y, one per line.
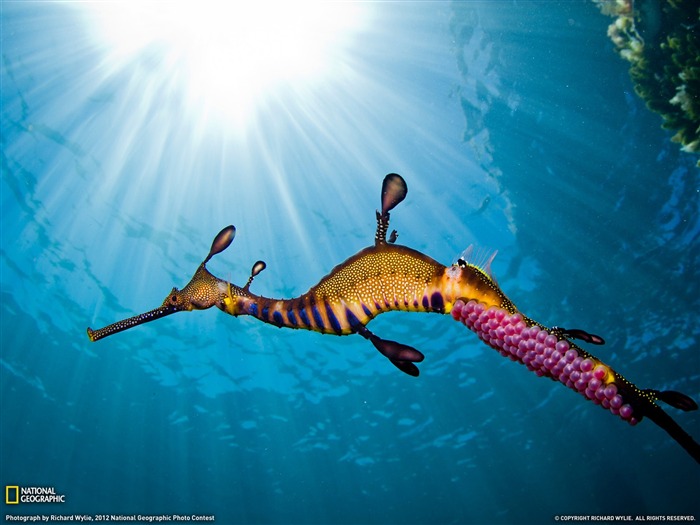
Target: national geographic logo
pixel 14 495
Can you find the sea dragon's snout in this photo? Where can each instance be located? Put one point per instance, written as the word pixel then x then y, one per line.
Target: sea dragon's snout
pixel 202 292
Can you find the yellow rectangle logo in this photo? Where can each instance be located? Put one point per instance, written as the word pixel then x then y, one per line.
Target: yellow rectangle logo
pixel 9 498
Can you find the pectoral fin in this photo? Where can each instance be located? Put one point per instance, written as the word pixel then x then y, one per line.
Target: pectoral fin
pixel 401 356
pixel 676 400
pixel 576 333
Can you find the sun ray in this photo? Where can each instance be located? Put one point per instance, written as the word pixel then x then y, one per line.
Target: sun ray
pixel 223 58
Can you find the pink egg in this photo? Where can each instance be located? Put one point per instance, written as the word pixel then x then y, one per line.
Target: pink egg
pixel 610 391
pixel 600 372
pixel 625 411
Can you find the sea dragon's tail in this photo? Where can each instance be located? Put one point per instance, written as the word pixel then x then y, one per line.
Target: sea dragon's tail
pixel 550 352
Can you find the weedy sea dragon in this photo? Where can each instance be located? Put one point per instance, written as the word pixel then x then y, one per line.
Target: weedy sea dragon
pixel 388 277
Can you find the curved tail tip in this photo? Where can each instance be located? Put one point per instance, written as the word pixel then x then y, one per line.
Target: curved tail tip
pixel 91 334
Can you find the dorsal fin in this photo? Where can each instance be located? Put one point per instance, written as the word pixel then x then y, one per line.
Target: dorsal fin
pixel 480 258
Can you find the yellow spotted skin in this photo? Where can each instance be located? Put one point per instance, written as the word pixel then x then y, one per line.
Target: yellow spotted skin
pixel 384 274
pixel 380 278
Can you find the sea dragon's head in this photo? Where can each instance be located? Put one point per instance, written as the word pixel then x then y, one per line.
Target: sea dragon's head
pixel 202 292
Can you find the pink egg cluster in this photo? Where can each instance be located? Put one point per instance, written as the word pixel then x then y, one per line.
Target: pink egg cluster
pixel 544 353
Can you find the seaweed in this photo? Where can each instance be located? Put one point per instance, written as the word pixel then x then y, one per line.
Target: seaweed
pixel 661 41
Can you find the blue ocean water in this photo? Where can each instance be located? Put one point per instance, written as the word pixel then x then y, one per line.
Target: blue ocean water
pixel 517 129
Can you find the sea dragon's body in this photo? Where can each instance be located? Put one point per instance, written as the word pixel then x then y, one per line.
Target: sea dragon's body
pixel 389 277
pixel 378 279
